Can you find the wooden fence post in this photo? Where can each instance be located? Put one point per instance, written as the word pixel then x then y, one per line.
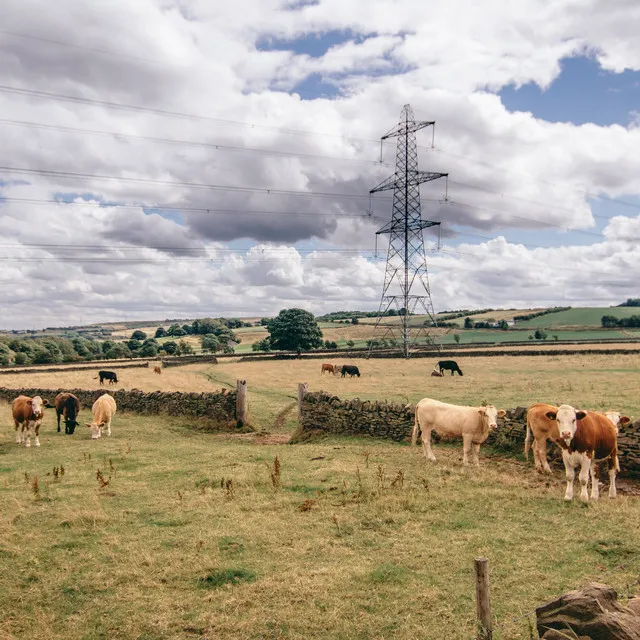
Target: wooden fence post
pixel 483 599
pixel 241 402
pixel 303 387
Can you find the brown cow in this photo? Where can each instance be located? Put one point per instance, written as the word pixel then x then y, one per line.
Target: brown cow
pixel 157 370
pixel 436 374
pixel 68 406
pixel 328 367
pixel 28 412
pixel 586 437
pixel 544 428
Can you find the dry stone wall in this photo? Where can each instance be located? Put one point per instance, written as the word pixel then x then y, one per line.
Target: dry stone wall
pixel 322 414
pixel 213 411
pixel 97 366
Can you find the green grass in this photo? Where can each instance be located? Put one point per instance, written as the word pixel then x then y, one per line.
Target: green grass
pixel 579 317
pixel 166 550
pixel 470 336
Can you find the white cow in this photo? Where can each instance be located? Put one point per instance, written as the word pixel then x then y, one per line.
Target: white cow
pixel 103 410
pixel 472 424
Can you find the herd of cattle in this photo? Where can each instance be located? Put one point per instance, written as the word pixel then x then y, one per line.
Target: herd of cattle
pixel 585 437
pixel 28 413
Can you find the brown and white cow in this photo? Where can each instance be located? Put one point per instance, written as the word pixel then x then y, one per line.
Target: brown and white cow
pixel 542 428
pixel 472 424
pixel 157 370
pixel 103 410
pixel 586 437
pixel 329 368
pixel 27 412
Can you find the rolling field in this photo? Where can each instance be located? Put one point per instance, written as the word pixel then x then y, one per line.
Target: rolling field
pixel 583 317
pixel 197 536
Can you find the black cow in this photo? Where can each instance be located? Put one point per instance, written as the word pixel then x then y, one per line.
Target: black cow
pixel 68 406
pixel 448 365
pixel 107 375
pixel 350 369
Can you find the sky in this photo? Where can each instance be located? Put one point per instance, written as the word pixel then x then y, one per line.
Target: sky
pixel 187 158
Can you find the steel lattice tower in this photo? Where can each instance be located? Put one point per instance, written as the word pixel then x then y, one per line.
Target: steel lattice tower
pixel 406 260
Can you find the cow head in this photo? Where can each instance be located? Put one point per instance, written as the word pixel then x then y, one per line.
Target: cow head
pixel 490 416
pixel 96 429
pixel 36 407
pixel 70 426
pixel 567 419
pixel 617 419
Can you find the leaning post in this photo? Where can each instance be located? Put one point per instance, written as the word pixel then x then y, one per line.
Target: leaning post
pixel 483 599
pixel 241 402
pixel 303 387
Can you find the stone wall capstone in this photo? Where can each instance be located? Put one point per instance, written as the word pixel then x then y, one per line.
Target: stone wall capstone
pixel 214 411
pixel 323 414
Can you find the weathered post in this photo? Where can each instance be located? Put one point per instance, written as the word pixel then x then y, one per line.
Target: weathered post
pixel 241 402
pixel 483 599
pixel 303 387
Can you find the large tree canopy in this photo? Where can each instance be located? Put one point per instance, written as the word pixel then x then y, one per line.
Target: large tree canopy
pixel 294 330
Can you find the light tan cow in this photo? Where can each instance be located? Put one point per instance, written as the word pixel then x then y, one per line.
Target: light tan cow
pixel 103 411
pixel 27 412
pixel 472 424
pixel 329 368
pixel 543 427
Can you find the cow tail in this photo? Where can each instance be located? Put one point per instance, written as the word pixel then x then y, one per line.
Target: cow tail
pixel 416 428
pixel 527 441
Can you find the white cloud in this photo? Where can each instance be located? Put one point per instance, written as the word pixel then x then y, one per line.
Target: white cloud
pixel 508 171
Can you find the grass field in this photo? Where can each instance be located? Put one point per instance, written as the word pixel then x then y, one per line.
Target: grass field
pixel 583 317
pixel 193 537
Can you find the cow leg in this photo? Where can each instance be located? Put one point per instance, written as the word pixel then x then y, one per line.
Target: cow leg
pixel 476 454
pixel 37 432
pixel 595 489
pixel 28 434
pixel 570 473
pixel 58 423
pixel 108 427
pixel 584 477
pixel 541 451
pixel 613 467
pixel 466 448
pixel 426 445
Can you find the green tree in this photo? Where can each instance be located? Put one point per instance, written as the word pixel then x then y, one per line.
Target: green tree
pixel 161 332
pixel 209 342
pixel 138 335
pixel 184 348
pixel 540 334
pixel 148 350
pixel 21 358
pixel 262 345
pixel 176 330
pixel 170 347
pixel 118 350
pixel 456 337
pixel 294 330
pixel 468 323
pixel 133 344
pixel 355 320
pixel 350 343
pixel 609 322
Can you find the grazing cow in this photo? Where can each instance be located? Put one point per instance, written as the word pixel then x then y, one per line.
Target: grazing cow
pixel 351 370
pixel 107 375
pixel 448 365
pixel 27 412
pixel 542 427
pixel 67 406
pixel 436 374
pixel 157 370
pixel 328 367
pixel 103 410
pixel 472 424
pixel 586 437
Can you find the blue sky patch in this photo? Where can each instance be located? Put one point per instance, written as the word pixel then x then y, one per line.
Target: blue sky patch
pixel 314 44
pixel 583 92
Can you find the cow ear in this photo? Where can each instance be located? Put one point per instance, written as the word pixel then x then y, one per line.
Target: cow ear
pixel 29 401
pixel 581 415
pixel 482 411
pixel 551 415
pixel 502 413
pixel 624 420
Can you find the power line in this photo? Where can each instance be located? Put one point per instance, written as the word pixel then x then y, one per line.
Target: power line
pixel 190 143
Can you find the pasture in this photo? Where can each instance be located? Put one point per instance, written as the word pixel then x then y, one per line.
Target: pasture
pixel 199 535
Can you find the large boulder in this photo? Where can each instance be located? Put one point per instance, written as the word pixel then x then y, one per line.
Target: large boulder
pixel 591 613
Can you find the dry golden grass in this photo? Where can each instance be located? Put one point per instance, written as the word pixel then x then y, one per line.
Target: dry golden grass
pixel 191 538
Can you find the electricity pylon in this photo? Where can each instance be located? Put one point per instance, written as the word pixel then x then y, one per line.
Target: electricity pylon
pixel 406 260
